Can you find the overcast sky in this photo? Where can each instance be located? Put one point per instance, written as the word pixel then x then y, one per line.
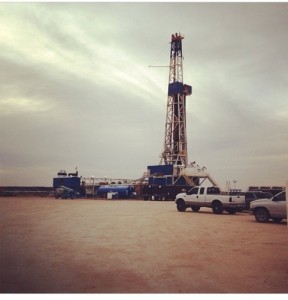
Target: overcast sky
pixel 76 89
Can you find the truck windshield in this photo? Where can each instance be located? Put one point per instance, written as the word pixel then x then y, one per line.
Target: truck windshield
pixel 193 191
pixel 280 197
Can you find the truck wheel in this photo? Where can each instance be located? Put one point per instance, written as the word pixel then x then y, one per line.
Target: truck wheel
pixel 195 208
pixel 261 215
pixel 217 207
pixel 231 210
pixel 181 205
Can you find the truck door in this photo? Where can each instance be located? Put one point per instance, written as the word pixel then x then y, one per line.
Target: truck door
pixel 278 207
pixel 193 193
pixel 201 195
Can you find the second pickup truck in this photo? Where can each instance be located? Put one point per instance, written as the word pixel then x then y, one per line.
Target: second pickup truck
pixel 211 197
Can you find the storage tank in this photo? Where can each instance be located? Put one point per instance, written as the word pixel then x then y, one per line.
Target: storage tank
pixel 123 191
pixel 193 171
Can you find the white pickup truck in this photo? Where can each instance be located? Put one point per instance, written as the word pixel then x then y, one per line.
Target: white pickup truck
pixel 212 197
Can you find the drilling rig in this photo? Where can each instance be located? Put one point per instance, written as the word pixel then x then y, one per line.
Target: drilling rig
pixel 174 174
pixel 175 144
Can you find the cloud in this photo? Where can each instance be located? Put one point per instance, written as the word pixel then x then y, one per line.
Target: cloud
pixel 76 88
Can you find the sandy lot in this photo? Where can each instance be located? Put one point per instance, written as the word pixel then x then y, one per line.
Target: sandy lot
pixel 129 246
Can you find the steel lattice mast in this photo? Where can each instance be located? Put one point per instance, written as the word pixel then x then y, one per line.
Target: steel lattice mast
pixel 175 143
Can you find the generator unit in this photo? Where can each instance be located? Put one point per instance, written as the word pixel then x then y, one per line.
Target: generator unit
pixel 70 181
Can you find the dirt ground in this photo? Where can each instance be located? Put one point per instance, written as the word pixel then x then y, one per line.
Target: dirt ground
pixel 130 246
